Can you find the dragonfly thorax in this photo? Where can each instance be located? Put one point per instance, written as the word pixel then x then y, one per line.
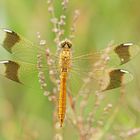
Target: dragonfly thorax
pixel 65 56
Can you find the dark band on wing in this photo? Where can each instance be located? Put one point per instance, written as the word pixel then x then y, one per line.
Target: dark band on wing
pixel 11 71
pixel 10 40
pixel 116 79
pixel 123 52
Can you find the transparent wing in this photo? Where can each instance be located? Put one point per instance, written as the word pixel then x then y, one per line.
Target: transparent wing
pixel 95 67
pixel 123 53
pixel 19 48
pixel 113 78
pixel 25 58
pixel 99 80
pixel 20 72
pixel 114 55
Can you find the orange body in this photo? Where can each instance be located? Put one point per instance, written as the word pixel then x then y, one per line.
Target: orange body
pixel 64 64
pixel 62 98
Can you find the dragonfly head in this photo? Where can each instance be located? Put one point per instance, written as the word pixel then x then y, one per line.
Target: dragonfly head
pixel 66 44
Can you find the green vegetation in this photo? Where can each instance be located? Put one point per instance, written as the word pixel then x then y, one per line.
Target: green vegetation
pixel 26 114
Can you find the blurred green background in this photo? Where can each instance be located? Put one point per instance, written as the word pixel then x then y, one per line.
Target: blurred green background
pixel 26 114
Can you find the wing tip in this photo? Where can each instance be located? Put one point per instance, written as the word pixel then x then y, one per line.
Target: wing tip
pixel 10 70
pixel 116 78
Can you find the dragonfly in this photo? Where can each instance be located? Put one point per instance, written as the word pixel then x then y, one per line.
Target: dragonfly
pixel 23 62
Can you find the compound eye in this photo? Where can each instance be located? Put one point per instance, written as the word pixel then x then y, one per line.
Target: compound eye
pixel 69 44
pixel 63 44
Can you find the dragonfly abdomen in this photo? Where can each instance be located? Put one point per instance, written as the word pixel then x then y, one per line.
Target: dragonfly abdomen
pixel 62 98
